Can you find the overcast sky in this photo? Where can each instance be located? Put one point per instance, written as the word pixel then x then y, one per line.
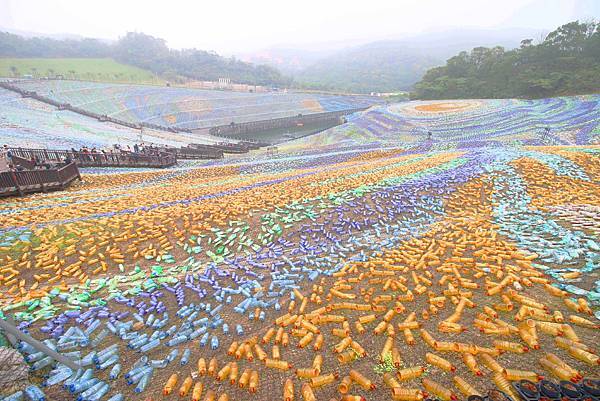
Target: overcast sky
pixel 234 26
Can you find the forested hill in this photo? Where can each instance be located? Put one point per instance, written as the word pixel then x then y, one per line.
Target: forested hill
pixel 567 62
pixel 147 52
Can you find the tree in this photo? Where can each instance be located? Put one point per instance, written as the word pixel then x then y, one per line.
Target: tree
pixel 565 63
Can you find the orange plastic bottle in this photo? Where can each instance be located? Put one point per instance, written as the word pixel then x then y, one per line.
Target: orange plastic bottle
pixel 317 362
pixel 277 364
pixel 410 373
pixel 471 363
pixel 233 375
pixel 288 390
pixel 439 362
pixel 201 366
pixel 210 396
pixel 318 342
pixel 344 385
pixel 307 393
pixel 244 378
pixel 212 367
pixel 464 387
pixel 306 373
pixel 323 380
pixel 197 391
pixel 406 394
pixel 224 372
pixel 515 374
pixel 438 390
pixel 185 386
pixel 362 380
pixel 491 363
pixel 170 385
pixel 253 384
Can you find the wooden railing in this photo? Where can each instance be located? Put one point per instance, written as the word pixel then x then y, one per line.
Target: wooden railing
pixel 42 180
pixel 97 159
pixel 223 147
pixel 207 152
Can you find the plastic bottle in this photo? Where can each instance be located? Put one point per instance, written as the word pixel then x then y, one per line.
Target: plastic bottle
pixel 185 357
pixel 201 366
pixel 212 367
pixel 439 362
pixel 141 386
pixel 323 380
pixel 361 380
pixel 277 364
pixel 438 390
pixel 17 396
pixel 224 372
pixel 170 385
pixel 410 373
pixel 345 384
pixel 307 393
pixel 406 394
pixel 464 387
pixel 185 386
pixel 34 393
pixel 317 362
pixel 504 385
pixel 253 384
pixel 244 378
pixel 288 390
pixel 197 391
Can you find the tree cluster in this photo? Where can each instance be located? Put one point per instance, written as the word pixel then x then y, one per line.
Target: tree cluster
pixel 146 52
pixel 566 62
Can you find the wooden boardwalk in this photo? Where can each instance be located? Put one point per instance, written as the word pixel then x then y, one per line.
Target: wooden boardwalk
pixel 97 159
pixel 44 180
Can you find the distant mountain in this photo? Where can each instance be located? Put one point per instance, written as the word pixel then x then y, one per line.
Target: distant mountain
pixel 287 60
pixel 56 36
pixel 383 66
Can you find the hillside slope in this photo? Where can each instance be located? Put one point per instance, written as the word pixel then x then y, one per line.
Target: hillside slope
pixel 91 69
pixel 393 65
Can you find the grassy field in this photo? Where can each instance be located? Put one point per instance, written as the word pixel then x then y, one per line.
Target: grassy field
pixel 91 69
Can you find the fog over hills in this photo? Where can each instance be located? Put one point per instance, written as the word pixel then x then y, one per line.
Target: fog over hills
pixel 384 65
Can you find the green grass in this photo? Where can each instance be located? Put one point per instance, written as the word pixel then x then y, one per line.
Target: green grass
pixel 89 69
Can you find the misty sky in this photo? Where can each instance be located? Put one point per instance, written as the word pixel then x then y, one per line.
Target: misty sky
pixel 235 26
